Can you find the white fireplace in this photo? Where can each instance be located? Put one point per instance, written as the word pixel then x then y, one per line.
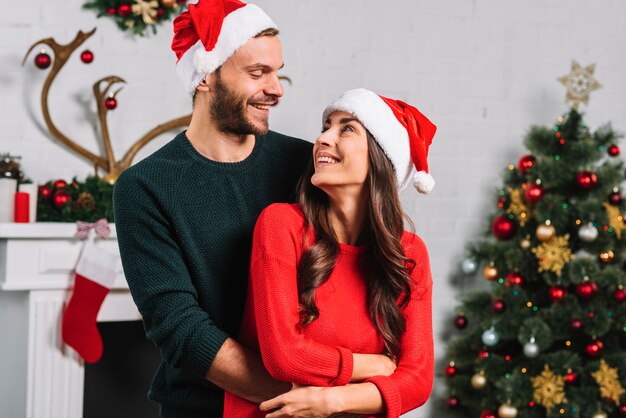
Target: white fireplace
pixel 41 377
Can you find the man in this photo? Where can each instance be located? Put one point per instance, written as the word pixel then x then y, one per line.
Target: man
pixel 185 215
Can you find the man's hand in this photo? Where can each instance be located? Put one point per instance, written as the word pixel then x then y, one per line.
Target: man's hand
pixel 304 402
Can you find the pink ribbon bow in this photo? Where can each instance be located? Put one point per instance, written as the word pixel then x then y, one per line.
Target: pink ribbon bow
pixel 101 226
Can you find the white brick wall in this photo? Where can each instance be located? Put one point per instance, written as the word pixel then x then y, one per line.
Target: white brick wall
pixel 483 70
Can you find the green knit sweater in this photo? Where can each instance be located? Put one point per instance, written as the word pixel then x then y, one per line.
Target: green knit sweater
pixel 184 227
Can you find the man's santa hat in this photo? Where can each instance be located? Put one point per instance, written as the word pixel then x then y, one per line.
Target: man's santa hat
pixel 210 32
pixel 401 130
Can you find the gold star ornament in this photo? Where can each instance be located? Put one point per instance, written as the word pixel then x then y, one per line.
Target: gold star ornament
pixel 517 206
pixel 608 379
pixel 616 220
pixel 579 84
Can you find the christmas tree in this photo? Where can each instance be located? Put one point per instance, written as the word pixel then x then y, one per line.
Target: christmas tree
pixel 548 338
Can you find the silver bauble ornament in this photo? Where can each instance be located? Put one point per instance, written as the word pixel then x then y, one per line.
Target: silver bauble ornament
pixel 490 337
pixel 588 233
pixel 469 266
pixel 507 411
pixel 479 380
pixel 531 349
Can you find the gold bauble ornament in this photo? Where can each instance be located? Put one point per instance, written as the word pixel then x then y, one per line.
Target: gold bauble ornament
pixel 607 256
pixel 490 272
pixel 168 3
pixel 525 243
pixel 599 415
pixel 507 411
pixel 545 232
pixel 479 381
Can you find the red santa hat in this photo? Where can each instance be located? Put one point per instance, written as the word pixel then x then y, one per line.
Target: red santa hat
pixel 401 130
pixel 210 32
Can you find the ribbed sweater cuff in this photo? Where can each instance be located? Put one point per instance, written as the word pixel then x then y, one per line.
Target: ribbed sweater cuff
pixel 390 394
pixel 204 350
pixel 345 368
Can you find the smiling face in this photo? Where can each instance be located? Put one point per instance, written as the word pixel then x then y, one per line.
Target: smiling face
pixel 340 154
pixel 246 86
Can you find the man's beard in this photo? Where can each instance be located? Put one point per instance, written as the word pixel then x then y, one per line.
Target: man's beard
pixel 229 112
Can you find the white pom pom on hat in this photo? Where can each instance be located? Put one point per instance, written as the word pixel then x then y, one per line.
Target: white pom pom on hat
pixel 209 32
pixel 401 130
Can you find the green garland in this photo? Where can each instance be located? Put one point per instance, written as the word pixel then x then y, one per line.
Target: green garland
pixel 137 15
pixel 89 201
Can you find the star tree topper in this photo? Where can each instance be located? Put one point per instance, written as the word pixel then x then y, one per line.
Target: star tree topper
pixel 579 83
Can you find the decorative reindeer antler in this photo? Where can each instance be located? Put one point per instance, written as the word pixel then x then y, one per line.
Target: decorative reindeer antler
pixel 61 54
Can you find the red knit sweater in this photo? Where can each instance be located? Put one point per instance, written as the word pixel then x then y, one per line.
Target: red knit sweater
pixel 320 353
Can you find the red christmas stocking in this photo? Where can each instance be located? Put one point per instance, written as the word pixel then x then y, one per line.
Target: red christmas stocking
pixel 95 273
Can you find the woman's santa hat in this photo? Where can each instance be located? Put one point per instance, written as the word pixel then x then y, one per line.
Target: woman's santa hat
pixel 207 34
pixel 401 130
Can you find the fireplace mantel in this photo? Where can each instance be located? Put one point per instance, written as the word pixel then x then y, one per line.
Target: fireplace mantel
pixel 41 376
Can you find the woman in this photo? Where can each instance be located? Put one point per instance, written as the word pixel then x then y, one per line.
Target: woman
pixel 339 295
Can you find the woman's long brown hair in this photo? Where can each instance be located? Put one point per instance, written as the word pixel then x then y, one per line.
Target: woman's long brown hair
pixel 388 279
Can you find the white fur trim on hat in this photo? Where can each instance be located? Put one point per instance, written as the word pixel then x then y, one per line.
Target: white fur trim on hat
pixel 379 119
pixel 238 28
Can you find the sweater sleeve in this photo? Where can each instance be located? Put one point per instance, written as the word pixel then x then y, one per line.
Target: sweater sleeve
pixel 410 385
pixel 159 281
pixel 287 354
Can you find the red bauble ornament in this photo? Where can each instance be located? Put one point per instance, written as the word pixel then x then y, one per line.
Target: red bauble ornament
pixel 498 306
pixel 615 198
pixel 586 289
pixel 586 180
pixel 86 56
pixel 533 193
pixel 556 293
pixel 488 414
pixel 59 184
pixel 570 377
pixel 160 12
pixel 613 150
pixel 483 354
pixel 43 60
pixel 526 163
pixel 124 10
pixel 45 191
pixel 576 325
pixel 460 321
pixel 61 198
pixel 515 279
pixel 620 294
pixel 111 11
pixel 622 409
pixel 594 349
pixel 453 402
pixel 502 227
pixel 450 371
pixel 110 103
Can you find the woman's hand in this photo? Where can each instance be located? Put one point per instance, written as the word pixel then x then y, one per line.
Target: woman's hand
pixel 370 365
pixel 303 402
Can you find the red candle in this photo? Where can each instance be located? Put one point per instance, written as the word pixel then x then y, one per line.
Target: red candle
pixel 21 207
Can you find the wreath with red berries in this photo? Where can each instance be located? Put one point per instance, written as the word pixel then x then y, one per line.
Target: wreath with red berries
pixel 137 15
